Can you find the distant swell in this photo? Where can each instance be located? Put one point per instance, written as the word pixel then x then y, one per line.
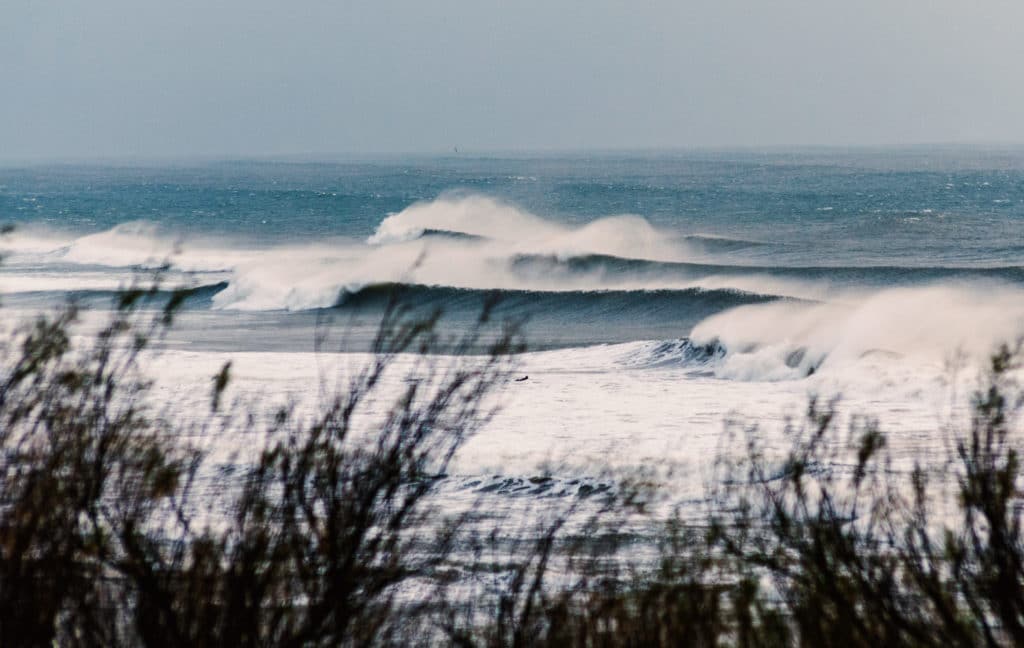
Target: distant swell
pixel 200 297
pixel 713 244
pixel 609 266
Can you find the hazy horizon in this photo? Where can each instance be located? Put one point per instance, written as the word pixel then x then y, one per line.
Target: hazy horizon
pixel 968 148
pixel 130 80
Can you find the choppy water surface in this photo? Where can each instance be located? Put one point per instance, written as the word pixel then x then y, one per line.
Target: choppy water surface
pixel 665 293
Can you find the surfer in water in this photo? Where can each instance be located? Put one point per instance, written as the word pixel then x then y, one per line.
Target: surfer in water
pixel 522 379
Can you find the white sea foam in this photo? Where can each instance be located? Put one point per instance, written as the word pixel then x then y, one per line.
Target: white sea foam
pixel 773 341
pixel 785 340
pixel 473 215
pixel 584 411
pixel 315 274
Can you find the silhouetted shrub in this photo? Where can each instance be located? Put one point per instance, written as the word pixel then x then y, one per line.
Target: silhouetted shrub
pixel 118 528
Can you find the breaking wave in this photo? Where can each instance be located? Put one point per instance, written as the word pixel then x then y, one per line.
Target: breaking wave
pixel 614 279
pixel 610 303
pixel 458 242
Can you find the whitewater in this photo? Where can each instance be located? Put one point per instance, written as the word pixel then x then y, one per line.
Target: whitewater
pixel 667 298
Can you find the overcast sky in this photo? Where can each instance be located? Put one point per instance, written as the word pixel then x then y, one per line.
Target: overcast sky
pixel 94 78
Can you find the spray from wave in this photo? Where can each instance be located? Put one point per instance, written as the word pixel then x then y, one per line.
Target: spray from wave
pixel 737 320
pixel 781 341
pixel 470 242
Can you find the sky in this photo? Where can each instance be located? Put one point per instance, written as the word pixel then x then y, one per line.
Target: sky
pixel 151 78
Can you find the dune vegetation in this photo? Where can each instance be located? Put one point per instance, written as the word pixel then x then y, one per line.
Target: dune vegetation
pixel 117 527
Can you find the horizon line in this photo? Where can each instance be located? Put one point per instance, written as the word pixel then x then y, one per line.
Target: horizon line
pixel 496 152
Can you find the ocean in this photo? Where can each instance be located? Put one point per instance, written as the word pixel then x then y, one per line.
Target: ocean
pixel 667 296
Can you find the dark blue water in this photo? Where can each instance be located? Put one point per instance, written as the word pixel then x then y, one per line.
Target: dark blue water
pixel 743 228
pixel 921 207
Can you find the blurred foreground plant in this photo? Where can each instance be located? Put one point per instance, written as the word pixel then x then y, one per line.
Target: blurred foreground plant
pixel 116 529
pixel 106 539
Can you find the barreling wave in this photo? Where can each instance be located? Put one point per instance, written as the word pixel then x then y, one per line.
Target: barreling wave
pixel 571 310
pixel 466 243
pixel 786 340
pixel 908 327
pixel 614 279
pixel 681 305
